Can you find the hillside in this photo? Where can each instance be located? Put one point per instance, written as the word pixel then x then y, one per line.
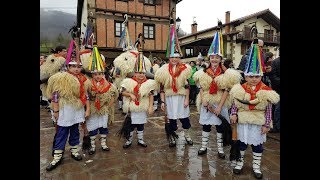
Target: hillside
pixel 52 23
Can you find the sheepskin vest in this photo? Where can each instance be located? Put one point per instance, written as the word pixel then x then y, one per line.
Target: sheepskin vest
pixel 253 114
pixel 224 81
pixel 103 99
pixel 129 84
pixel 68 87
pixel 163 77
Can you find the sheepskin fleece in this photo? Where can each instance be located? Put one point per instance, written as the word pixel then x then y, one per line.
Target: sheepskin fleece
pixel 126 61
pixel 155 68
pixel 117 82
pixel 129 84
pixel 68 87
pixel 104 98
pixel 229 78
pixel 257 115
pixel 85 60
pixel 224 81
pixel 49 68
pixel 163 76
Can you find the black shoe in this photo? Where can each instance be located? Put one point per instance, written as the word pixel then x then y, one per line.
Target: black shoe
pixel 221 155
pixel 50 167
pixel 201 152
pixel 143 145
pixel 105 149
pixel 91 152
pixel 257 175
pixel 77 158
pixel 237 171
pixel 126 145
pixel 172 144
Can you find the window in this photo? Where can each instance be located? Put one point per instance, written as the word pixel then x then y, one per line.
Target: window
pixel 123 0
pixel 148 31
pixel 268 35
pixel 152 2
pixel 119 27
pixel 189 52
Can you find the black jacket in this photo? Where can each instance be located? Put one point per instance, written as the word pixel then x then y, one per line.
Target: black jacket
pixel 274 75
pixel 243 60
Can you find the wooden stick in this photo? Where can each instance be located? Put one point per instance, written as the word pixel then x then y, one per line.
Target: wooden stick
pixel 234 131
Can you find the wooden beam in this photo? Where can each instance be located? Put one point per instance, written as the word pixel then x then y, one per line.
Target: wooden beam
pixel 120 18
pixel 131 14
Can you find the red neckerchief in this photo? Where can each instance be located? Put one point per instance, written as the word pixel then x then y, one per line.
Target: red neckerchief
pixel 136 89
pixel 213 87
pixel 179 68
pixel 81 79
pixel 248 89
pixel 99 89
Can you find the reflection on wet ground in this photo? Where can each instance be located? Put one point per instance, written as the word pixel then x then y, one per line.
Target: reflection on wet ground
pixel 157 161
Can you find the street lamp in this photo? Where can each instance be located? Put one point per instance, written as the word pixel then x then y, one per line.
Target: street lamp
pixel 178 22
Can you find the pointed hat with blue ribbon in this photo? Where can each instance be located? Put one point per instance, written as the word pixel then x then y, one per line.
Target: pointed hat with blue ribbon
pixel 255 61
pixel 216 47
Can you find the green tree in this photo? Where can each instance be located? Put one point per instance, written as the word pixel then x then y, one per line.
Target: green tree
pixel 60 39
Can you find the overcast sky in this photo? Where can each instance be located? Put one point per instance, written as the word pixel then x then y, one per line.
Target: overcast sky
pixel 207 12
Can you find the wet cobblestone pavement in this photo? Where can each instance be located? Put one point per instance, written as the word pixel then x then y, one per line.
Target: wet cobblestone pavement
pixel 157 161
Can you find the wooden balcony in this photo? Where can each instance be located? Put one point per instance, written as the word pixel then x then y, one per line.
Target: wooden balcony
pixel 247 35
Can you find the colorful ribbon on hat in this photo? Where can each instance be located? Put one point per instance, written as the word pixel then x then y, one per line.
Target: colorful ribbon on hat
pixel 124 40
pixel 255 61
pixel 96 62
pixel 69 51
pixel 216 46
pixel 172 41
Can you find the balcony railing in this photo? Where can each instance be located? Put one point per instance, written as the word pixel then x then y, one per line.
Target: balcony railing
pixel 268 38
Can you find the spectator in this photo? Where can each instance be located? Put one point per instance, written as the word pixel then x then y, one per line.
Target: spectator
pixel 275 82
pixel 193 87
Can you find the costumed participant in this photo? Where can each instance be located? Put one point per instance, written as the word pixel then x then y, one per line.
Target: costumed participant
pixel 53 64
pixel 174 87
pixel 69 99
pixel 214 90
pixel 102 96
pixel 138 91
pixel 125 62
pixel 252 110
pixel 156 65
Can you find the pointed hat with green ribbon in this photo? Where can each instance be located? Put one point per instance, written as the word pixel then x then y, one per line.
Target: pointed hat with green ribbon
pixel 96 64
